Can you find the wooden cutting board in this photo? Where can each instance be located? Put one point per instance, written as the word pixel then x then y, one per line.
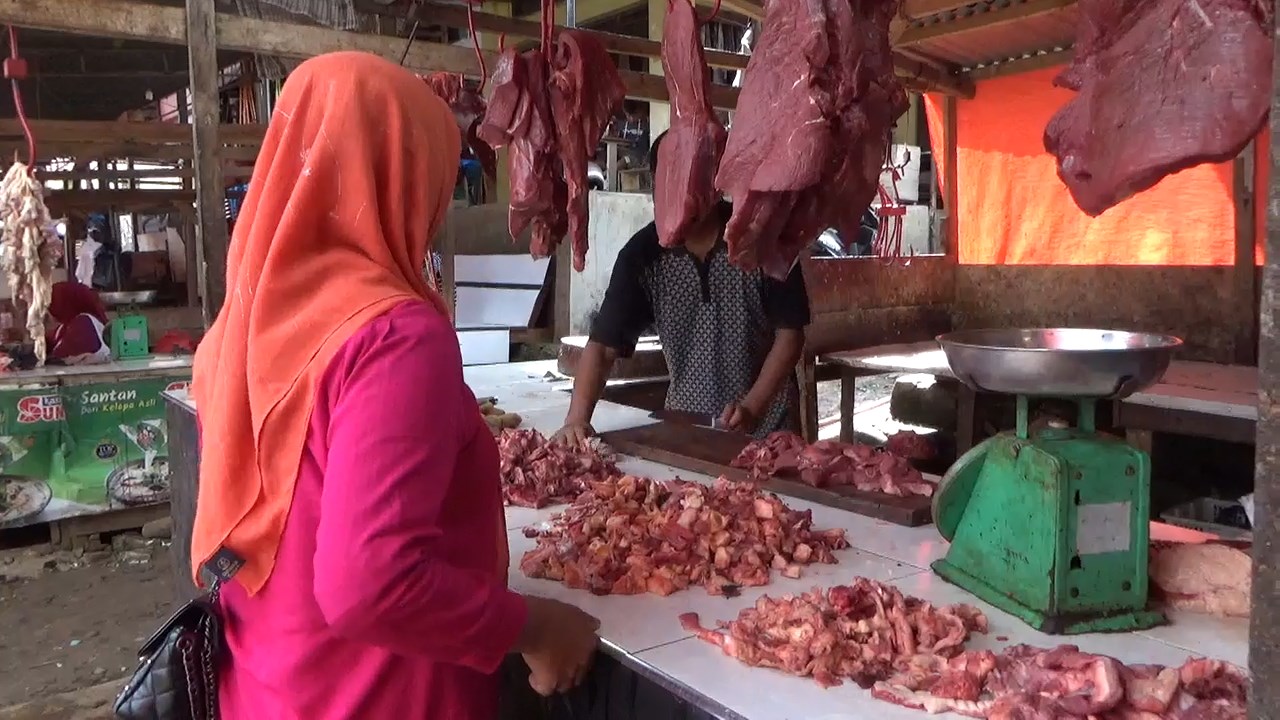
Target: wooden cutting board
pixel 709 452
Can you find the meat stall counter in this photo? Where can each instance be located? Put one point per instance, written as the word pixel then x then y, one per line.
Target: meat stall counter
pixel 651 666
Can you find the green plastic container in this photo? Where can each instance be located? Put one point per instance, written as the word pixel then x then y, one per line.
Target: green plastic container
pixel 129 338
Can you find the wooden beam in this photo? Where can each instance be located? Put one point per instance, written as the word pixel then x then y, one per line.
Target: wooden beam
pixel 139 133
pixel 979 20
pixel 1245 277
pixel 916 9
pixel 132 20
pixel 211 190
pixel 1020 65
pixel 456 17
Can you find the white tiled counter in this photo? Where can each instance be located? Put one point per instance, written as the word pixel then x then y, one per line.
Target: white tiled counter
pixel 643 631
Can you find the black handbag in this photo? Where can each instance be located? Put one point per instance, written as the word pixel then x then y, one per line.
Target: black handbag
pixel 177 673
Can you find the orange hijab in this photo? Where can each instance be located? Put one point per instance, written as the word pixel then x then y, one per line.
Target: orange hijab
pixel 355 175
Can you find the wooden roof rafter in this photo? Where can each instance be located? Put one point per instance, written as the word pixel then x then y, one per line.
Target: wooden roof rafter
pixel 977 17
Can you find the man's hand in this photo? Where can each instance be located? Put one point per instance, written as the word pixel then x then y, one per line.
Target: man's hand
pixel 558 643
pixel 740 417
pixel 574 432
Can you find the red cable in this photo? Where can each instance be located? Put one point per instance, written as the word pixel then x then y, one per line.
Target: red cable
pixel 15 68
pixel 475 42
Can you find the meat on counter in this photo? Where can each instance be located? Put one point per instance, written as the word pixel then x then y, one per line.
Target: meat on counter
pixel 1062 683
pixel 635 535
pixel 831 463
pixel 865 632
pixel 537 472
pixel 1211 578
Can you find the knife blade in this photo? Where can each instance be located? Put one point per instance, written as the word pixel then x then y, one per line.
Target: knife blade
pixel 689 418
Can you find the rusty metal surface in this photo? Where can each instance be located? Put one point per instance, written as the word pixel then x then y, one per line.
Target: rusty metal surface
pixel 1193 303
pixel 832 332
pixel 845 284
pixel 184 475
pixel 1264 625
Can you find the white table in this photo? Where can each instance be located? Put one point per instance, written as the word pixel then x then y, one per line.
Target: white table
pixel 643 631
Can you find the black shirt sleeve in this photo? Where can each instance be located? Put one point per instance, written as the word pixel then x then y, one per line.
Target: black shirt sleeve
pixel 627 310
pixel 786 302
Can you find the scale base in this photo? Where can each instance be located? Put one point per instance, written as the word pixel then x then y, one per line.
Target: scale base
pixel 1121 621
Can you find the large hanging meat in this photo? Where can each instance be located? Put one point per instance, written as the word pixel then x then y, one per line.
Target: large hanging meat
pixel 684 190
pixel 552 112
pixel 814 122
pixel 1163 85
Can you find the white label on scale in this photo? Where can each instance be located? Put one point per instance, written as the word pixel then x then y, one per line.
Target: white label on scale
pixel 1102 528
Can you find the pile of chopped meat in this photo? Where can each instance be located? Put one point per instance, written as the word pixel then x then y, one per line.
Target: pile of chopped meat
pixel 636 535
pixel 467 105
pixel 551 106
pixel 1029 683
pixel 812 129
pixel 911 445
pixel 537 472
pixel 831 463
pixel 865 632
pixel 29 249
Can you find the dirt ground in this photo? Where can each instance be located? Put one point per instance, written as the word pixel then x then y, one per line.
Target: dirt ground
pixel 71 621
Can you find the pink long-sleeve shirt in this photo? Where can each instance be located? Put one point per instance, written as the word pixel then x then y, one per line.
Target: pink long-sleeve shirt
pixel 388 600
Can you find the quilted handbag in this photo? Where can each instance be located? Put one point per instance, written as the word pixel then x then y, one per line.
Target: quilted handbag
pixel 177 674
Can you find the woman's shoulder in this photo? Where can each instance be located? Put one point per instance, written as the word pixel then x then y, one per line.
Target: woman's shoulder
pixel 414 333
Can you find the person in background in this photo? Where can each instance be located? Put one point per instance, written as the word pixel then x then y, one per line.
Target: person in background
pixel 78 320
pixel 345 460
pixel 731 337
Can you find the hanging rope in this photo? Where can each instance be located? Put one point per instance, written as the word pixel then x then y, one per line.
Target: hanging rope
pixel 475 43
pixel 892 213
pixel 15 69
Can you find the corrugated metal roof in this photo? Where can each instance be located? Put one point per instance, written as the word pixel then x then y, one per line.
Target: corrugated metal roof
pixel 980 46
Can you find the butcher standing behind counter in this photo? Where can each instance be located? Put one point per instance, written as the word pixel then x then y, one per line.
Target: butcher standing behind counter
pixel 731 337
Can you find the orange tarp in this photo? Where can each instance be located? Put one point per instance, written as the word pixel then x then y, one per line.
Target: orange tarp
pixel 1014 210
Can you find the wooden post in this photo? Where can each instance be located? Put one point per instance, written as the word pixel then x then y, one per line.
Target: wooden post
pixel 202 49
pixel 1245 272
pixel 1264 623
pixel 951 194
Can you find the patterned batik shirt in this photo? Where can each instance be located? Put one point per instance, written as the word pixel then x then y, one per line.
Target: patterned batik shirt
pixel 716 322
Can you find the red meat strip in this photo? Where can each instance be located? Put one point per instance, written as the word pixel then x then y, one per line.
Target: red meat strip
pixel 1029 683
pixel 911 445
pixel 830 463
pixel 865 632
pixel 468 107
pixel 633 535
pixel 536 472
pixel 586 92
pixel 1163 85
pixel 684 190
pixel 812 131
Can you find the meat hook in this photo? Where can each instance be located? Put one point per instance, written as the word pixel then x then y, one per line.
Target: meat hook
pixel 15 69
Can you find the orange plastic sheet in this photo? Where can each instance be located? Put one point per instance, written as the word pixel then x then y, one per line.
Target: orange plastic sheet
pixel 1015 211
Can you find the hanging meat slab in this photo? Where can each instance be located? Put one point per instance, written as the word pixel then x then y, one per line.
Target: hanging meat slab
pixel 813 127
pixel 552 115
pixel 1162 86
pixel 586 92
pixel 684 190
pixel 468 106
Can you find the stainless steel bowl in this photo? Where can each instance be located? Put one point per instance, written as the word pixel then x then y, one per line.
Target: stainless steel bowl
pixel 1058 362
pixel 137 297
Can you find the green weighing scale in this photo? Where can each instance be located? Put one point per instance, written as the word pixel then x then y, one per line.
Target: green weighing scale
pixel 1051 525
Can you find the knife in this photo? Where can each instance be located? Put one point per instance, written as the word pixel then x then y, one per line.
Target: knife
pixel 681 417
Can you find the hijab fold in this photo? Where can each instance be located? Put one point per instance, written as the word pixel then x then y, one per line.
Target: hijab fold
pixel 354 177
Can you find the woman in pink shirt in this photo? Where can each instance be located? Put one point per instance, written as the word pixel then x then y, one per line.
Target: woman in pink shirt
pixel 344 460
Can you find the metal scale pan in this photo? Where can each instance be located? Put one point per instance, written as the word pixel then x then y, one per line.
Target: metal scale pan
pixel 1058 362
